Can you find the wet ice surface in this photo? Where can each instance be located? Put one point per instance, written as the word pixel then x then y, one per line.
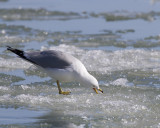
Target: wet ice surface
pixel 119 45
pixel 118 106
pixel 131 90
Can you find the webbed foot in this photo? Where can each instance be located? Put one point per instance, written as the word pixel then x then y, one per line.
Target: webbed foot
pixel 64 93
pixel 60 90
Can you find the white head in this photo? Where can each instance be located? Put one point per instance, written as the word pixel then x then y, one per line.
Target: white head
pixel 92 81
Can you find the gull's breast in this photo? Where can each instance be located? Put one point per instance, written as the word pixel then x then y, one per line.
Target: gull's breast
pixel 63 75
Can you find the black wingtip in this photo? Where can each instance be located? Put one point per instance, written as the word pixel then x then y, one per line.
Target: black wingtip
pixel 9 48
pixel 16 51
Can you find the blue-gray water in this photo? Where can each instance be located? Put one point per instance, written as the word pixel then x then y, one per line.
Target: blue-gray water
pixel 118 42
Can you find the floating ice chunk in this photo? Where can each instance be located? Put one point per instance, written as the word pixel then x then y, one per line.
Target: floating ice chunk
pixel 71 125
pixel 3 31
pixel 139 108
pixel 33 100
pixel 3 88
pixel 158 97
pixel 100 60
pixel 120 82
pixel 15 63
pixel 24 87
pixel 65 48
pixel 6 97
pixel 106 61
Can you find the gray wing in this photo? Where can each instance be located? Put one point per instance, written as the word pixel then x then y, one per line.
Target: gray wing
pixel 49 59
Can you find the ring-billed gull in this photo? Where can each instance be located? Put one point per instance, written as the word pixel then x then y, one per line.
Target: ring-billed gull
pixel 61 66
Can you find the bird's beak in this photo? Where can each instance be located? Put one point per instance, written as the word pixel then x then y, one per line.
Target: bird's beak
pixel 96 90
pixel 100 90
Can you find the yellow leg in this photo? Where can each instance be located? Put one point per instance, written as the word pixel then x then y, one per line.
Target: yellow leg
pixel 60 90
pixel 95 90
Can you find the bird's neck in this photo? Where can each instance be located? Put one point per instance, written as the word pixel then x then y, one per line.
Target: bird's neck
pixel 86 78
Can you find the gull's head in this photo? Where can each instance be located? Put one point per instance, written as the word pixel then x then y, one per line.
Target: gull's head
pixel 93 81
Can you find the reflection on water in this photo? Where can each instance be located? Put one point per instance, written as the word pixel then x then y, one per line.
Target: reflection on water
pixel 118 43
pixel 15 116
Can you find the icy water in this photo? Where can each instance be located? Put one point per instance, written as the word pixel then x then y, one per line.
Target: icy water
pixel 118 42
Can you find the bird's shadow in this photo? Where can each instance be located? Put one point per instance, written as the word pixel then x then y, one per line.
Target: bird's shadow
pixel 59 119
